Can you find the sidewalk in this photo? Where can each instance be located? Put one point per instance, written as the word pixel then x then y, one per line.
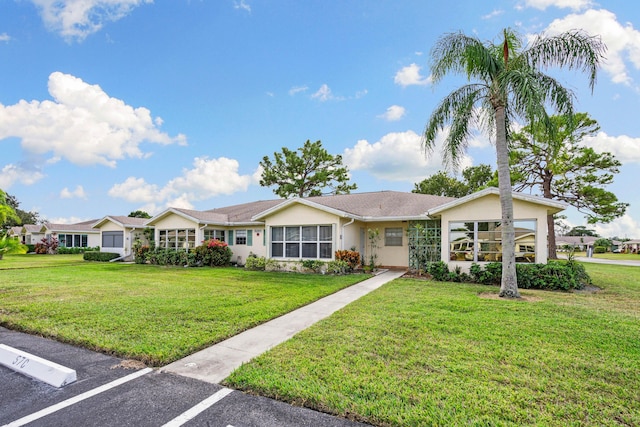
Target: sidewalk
pixel 215 363
pixel 630 262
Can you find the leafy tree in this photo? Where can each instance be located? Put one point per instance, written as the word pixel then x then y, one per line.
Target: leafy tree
pixel 552 161
pixel 7 214
pixel 442 184
pixel 10 245
pixel 605 243
pixel 139 214
pixel 581 230
pixel 23 217
pixel 506 82
pixel 305 172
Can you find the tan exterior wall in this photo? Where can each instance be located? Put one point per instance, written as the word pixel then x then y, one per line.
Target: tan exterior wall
pixel 387 256
pixel 488 209
pixel 243 251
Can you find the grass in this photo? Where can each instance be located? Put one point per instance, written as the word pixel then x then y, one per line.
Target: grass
pixel 150 313
pixel 609 255
pixel 428 353
pixel 10 262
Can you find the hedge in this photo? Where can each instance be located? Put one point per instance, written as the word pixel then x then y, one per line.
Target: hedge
pixel 100 256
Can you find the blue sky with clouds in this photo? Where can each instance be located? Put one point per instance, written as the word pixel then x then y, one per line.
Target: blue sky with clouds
pixel 108 106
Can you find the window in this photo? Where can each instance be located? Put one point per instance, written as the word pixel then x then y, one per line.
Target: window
pixel 214 234
pixel 393 236
pixel 241 237
pixel 112 239
pixel 307 241
pixel 177 239
pixel 72 240
pixel 482 241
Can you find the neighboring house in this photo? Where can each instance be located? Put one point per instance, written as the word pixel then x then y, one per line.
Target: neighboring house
pixel 78 235
pixel 16 233
pixel 28 234
pixel 396 229
pixel 631 246
pixel 119 233
pixel 579 243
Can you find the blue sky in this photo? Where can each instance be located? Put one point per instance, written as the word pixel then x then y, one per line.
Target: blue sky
pixel 108 106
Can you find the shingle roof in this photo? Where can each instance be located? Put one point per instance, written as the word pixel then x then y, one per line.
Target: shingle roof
pixel 382 203
pixel 204 216
pixel 32 228
pixel 85 226
pixel 244 212
pixel 126 221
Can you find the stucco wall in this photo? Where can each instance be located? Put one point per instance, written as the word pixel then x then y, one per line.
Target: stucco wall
pixel 387 256
pixel 243 251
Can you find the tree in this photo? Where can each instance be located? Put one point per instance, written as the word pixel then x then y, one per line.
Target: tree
pixel 442 184
pixel 139 214
pixel 307 173
pixel 506 82
pixel 581 230
pixel 10 245
pixel 23 217
pixel 551 161
pixel 7 214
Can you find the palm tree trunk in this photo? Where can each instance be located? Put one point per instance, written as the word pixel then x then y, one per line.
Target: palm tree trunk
pixel 551 225
pixel 509 284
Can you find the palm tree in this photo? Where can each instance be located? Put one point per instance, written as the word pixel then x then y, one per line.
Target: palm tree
pixel 509 84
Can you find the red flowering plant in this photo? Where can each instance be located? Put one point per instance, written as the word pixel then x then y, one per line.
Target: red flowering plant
pixel 213 253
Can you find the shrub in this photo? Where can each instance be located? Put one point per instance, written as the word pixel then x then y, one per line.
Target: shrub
pixel 76 250
pixel 352 258
pixel 273 265
pixel 599 250
pixel 212 253
pixel 338 266
pixel 255 263
pixel 99 256
pixel 313 264
pixel 31 248
pixel 140 252
pixel 554 275
pixel 46 246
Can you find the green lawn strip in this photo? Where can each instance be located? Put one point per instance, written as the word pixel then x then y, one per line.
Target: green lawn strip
pixel 13 261
pixel 154 314
pixel 427 353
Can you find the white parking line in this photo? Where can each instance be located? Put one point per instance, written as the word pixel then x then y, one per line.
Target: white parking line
pixel 51 409
pixel 194 411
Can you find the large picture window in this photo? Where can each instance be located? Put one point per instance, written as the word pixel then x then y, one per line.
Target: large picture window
pixel 184 238
pixel 482 241
pixel 113 239
pixel 73 240
pixel 306 241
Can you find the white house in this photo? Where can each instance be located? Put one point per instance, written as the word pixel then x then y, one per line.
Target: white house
pixel 119 233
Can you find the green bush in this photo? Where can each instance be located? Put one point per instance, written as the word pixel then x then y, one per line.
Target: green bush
pixel 213 253
pixel 554 275
pixel 438 270
pixel 76 250
pixel 256 263
pixel 338 266
pixel 31 248
pixel 600 250
pixel 99 256
pixel 313 265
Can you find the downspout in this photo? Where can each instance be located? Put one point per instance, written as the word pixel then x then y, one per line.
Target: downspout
pixel 342 235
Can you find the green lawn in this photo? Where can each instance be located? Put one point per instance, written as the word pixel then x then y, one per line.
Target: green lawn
pixel 37 261
pixel 427 353
pixel 154 314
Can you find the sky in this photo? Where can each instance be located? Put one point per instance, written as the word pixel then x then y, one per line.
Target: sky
pixel 109 106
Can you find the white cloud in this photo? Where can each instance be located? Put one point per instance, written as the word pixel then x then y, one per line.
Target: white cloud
pixel 76 19
pixel 398 156
pixel 10 174
pixel 623 41
pixel 67 220
pixel 561 4
pixel 4 37
pixel 393 113
pixel 323 94
pixel 208 178
pixel 82 125
pixel 493 14
pixel 410 75
pixel 242 5
pixel 622 227
pixel 297 89
pixel 78 193
pixel 623 147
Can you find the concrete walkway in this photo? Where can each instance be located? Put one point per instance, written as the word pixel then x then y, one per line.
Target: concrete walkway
pixel 215 363
pixel 630 262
